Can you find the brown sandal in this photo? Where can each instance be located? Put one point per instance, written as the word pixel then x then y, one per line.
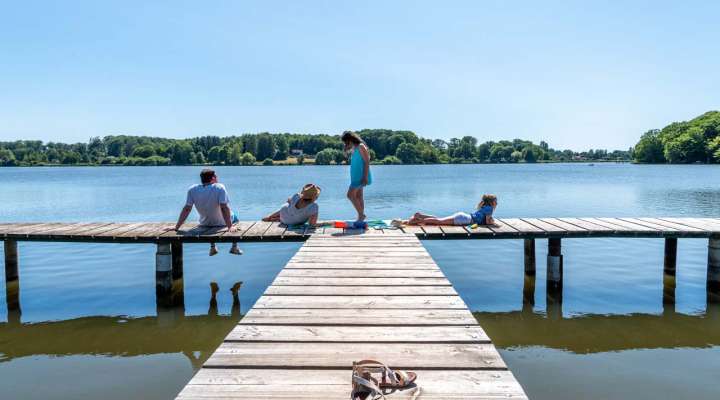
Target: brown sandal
pixel 365 386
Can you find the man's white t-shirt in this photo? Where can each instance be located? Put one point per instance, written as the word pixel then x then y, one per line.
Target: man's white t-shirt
pixel 207 200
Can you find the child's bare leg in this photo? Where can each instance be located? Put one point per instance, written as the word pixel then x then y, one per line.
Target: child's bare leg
pixel 361 202
pixel 274 217
pixel 352 195
pixel 419 217
pixel 439 221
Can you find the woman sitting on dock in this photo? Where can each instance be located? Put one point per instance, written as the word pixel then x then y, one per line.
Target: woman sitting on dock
pixel 299 209
pixel 481 216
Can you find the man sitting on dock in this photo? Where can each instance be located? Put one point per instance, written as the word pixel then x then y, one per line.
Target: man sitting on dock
pixel 210 198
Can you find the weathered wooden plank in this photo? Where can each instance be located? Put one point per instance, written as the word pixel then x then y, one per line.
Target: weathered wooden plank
pixel 331 302
pixel 359 316
pixel 662 228
pixel 96 231
pixel 118 232
pixel 364 259
pixel 627 225
pixel 588 226
pixel 333 384
pixel 148 229
pixel 706 224
pixel 301 281
pixel 329 265
pixel 257 230
pixel 363 243
pixel 679 227
pixel 239 229
pixel 547 227
pixel 353 250
pixel 361 291
pixel 26 229
pixel 60 230
pixel 522 226
pixel 341 355
pixel 275 230
pixel 361 273
pixel 501 227
pixel 351 334
pixel 455 231
pixel 480 231
pixel 568 227
pixel 432 231
pixel 413 229
pixel 189 229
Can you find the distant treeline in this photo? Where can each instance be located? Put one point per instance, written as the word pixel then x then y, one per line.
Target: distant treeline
pixel 694 141
pixel 386 147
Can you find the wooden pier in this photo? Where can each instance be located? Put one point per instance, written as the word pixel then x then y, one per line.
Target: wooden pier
pixel 350 295
pixel 333 304
pixel 169 260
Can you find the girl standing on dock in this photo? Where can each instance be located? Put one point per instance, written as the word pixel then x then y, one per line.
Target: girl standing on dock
pixel 360 176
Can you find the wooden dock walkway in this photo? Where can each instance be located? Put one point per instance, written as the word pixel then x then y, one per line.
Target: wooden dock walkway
pixel 169 259
pixel 333 304
pixel 254 231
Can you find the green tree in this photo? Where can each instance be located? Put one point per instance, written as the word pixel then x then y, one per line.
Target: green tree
pixel 247 159
pixel 325 157
pixel 407 153
pixel 650 148
pixel 71 157
pixel 181 153
pixel 144 151
pixel 7 157
pixel 339 157
pixel 265 147
pixel 282 148
pixel 529 155
pixel 268 162
pixel 391 160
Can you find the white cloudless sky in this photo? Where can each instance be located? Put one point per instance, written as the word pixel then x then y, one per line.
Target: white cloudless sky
pixel 577 74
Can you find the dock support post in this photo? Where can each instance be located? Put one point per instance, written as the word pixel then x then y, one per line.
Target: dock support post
pixel 12 278
pixel 713 270
pixel 530 267
pixel 669 269
pixel 178 285
pixel 554 271
pixel 163 274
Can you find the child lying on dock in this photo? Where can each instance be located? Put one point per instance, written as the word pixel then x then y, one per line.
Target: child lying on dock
pixel 300 208
pixel 481 216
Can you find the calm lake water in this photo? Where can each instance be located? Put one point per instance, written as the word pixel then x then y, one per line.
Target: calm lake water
pixel 90 327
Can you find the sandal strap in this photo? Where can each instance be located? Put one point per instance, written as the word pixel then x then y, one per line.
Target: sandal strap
pixel 359 381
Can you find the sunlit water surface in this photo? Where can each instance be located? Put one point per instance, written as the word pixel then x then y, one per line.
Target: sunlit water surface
pixel 90 327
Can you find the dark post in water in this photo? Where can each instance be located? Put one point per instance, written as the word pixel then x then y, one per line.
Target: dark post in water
pixel 12 279
pixel 163 274
pixel 554 271
pixel 529 286
pixel 669 269
pixel 713 270
pixel 178 285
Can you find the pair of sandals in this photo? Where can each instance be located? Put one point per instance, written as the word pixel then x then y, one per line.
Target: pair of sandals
pixel 371 380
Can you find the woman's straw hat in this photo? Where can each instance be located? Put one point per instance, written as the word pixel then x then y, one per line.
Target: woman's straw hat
pixel 310 191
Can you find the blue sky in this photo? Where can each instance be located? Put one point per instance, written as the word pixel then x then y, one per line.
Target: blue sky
pixel 578 74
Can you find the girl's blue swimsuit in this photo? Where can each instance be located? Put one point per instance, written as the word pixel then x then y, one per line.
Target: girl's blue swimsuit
pixel 480 216
pixel 357 167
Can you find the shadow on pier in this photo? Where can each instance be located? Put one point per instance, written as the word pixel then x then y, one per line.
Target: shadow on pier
pixel 170 331
pixel 595 333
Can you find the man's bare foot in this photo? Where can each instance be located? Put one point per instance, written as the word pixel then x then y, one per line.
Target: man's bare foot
pixel 361 217
pixel 213 250
pixel 235 250
pixel 235 288
pixel 214 288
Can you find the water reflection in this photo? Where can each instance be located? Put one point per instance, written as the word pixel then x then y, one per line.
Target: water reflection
pixel 595 333
pixel 170 331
